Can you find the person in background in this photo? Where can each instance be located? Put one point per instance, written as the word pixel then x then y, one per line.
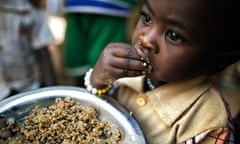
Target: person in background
pixel 25 62
pixel 166 76
pixel 91 25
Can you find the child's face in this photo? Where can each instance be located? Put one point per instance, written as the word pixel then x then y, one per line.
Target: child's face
pixel 174 36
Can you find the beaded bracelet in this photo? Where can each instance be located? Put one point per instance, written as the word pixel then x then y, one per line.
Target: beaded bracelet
pixel 90 88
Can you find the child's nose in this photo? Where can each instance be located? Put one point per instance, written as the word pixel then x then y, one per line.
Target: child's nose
pixel 147 41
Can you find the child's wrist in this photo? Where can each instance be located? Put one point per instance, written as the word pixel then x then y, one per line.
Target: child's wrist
pixel 91 89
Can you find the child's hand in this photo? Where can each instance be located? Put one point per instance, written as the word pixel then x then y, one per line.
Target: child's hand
pixel 118 60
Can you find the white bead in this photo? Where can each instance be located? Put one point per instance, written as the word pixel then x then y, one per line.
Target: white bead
pixel 89 88
pixel 87 82
pixel 94 91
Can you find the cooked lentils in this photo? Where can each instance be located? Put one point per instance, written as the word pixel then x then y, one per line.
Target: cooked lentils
pixel 65 122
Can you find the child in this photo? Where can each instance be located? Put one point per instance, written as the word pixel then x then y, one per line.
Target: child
pixel 178 47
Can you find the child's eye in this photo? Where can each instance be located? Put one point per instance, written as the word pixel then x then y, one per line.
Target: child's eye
pixel 174 37
pixel 146 19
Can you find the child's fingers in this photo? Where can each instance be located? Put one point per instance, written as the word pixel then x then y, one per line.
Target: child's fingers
pixel 133 66
pixel 124 51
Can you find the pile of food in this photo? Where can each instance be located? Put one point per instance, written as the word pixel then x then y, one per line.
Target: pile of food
pixel 65 122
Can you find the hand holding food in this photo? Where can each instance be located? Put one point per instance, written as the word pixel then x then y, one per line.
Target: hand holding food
pixel 116 61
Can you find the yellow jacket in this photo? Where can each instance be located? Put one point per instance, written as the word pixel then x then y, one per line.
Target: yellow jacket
pixel 178 112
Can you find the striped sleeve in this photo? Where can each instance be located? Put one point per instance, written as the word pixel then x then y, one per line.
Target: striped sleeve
pixel 106 7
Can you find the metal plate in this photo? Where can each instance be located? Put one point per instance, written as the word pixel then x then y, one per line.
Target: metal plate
pixel 19 106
